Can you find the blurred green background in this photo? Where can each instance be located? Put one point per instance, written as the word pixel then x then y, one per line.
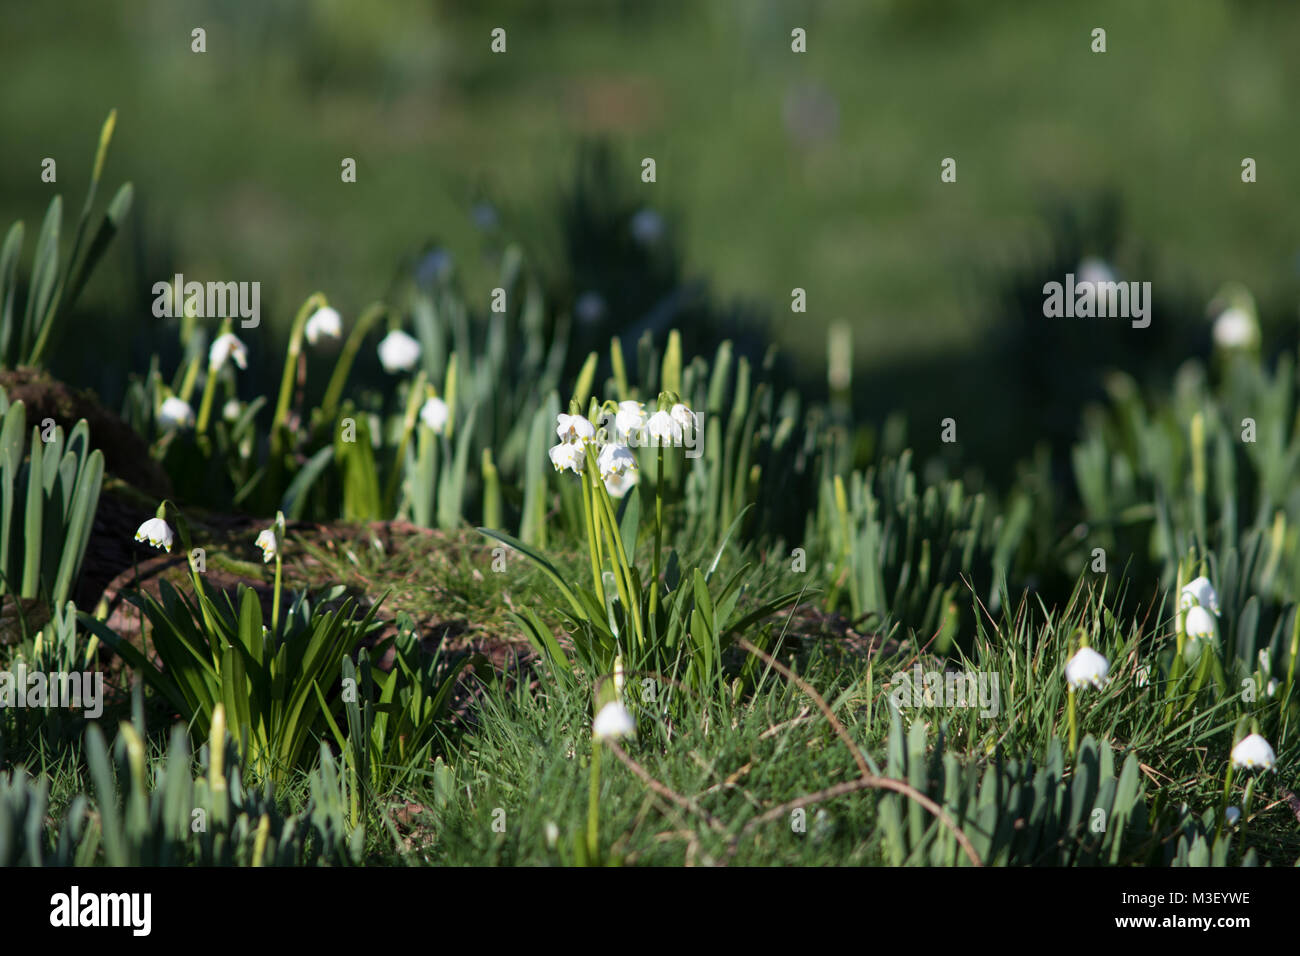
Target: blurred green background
pixel 775 169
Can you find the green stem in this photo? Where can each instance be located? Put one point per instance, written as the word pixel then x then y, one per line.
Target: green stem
pixel 275 600
pixel 659 531
pixel 622 566
pixel 592 548
pixel 339 378
pixel 593 805
pixel 205 407
pixel 279 423
pixel 1074 726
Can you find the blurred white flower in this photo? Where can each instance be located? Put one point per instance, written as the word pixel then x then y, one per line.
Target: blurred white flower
pixel 615 460
pixel 1199 592
pixel 232 410
pixel 619 485
pixel 1271 689
pixel 684 417
pixel 157 532
pixel 226 347
pixel 398 352
pixel 325 323
pixel 664 429
pixel 568 456
pixel 1086 667
pixel 1200 624
pixel 175 413
pixel 552 833
pixel 435 414
pixel 1232 815
pixel 1253 752
pixel 613 722
pixel 574 428
pixel 647 227
pixel 1235 328
pixel 629 418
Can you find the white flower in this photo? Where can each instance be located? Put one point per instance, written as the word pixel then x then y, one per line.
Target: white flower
pixel 157 532
pixel 232 410
pixel 225 347
pixel 619 485
pixel 566 456
pixel 684 417
pixel 615 460
pixel 663 429
pixel 435 413
pixel 1199 592
pixel 1086 667
pixel 398 352
pixel 324 323
pixel 613 722
pixel 552 833
pixel 271 540
pixel 269 545
pixel 629 418
pixel 175 413
pixel 1253 752
pixel 574 428
pixel 1200 624
pixel 1235 328
pixel 1272 687
pixel 1232 815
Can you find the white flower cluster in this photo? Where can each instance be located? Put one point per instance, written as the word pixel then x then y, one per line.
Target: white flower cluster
pixel 1201 604
pixel 615 462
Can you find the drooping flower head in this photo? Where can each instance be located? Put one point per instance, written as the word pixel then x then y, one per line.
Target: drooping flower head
pixel 629 419
pixel 1253 753
pixel 1086 667
pixel 157 532
pixel 226 347
pixel 613 722
pixel 435 414
pixel 1199 593
pixel 398 352
pixel 325 323
pixel 568 456
pixel 620 485
pixel 175 413
pixel 615 460
pixel 664 429
pixel 1200 624
pixel 684 417
pixel 271 540
pixel 574 428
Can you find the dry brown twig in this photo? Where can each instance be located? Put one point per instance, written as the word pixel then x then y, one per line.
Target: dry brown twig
pixel 866 781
